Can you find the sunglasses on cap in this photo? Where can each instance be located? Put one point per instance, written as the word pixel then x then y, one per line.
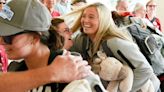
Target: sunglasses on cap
pixel 9 39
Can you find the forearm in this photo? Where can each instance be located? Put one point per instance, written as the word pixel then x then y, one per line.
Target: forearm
pixel 63 69
pixel 23 81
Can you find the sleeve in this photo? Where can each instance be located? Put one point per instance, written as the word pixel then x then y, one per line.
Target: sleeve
pixel 143 71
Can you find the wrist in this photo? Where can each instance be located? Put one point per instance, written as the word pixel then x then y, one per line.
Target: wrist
pixel 52 74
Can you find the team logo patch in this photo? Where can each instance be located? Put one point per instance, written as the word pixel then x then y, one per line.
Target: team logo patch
pixel 6 13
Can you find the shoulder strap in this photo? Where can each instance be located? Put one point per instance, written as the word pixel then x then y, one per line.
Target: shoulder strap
pixel 53 54
pixel 84 50
pixel 153 20
pixel 106 49
pixel 17 66
pixel 127 61
pixel 108 52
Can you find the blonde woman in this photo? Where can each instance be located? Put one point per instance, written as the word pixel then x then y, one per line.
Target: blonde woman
pixel 96 28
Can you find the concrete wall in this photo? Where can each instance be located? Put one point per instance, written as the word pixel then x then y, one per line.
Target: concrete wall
pixel 160 12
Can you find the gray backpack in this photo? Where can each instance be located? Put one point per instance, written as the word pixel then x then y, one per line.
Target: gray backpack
pixel 148 46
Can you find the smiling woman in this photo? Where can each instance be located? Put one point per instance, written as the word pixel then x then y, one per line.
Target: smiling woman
pixel 96 29
pixel 63 34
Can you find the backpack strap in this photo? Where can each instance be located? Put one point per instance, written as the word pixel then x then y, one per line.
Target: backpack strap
pixel 84 49
pixel 127 61
pixel 138 24
pixel 153 20
pixel 108 52
pixel 98 88
pixel 17 66
pixel 106 49
pixel 53 54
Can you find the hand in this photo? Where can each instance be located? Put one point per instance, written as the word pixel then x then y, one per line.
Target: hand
pixel 66 68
